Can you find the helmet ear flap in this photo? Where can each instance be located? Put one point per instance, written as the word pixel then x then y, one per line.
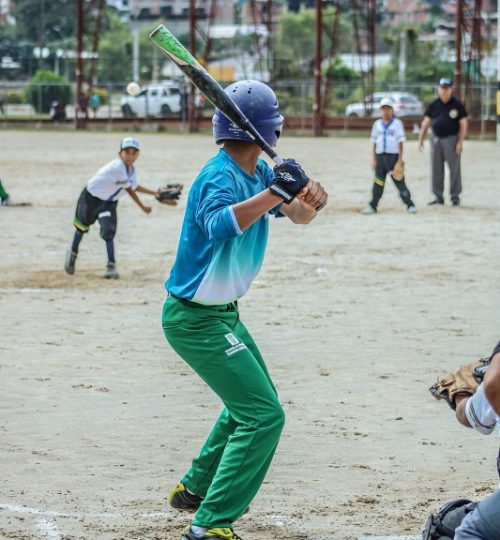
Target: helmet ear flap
pixel 259 104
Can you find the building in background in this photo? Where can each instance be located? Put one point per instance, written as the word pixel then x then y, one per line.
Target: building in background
pixel 172 10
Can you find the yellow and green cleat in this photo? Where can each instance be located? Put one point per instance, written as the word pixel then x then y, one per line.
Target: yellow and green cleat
pixel 210 534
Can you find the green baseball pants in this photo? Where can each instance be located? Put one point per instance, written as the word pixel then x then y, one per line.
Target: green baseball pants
pixel 234 459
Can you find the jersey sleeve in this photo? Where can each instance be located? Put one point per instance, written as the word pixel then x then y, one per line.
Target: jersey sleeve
pixel 267 175
pixel 373 134
pixel 214 212
pixel 480 413
pixel 400 133
pixel 462 112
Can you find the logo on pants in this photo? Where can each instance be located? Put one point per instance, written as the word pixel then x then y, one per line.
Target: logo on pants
pixel 236 344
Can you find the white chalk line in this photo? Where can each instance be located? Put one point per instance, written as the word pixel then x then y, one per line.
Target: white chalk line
pixel 78 515
pixel 49 530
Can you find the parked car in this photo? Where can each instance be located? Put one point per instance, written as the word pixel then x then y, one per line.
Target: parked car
pixel 163 100
pixel 405 104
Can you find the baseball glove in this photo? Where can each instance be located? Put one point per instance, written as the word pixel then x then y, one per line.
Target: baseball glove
pixel 464 380
pixel 398 171
pixel 169 194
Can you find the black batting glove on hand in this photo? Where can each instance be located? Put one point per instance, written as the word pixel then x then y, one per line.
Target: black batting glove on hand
pixel 289 180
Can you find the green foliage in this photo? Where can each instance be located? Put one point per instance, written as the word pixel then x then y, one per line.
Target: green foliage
pixel 115 51
pixel 40 21
pixel 295 43
pixel 46 87
pixel 423 63
pixel 15 98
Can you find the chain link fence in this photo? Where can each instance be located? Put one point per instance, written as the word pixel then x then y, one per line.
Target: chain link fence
pixel 168 99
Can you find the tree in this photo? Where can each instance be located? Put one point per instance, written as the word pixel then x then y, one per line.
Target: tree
pixel 42 20
pixel 115 50
pixel 46 87
pixel 295 44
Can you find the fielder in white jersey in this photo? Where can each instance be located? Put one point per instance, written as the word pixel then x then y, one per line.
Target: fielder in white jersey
pixel 387 138
pixel 482 412
pixel 99 199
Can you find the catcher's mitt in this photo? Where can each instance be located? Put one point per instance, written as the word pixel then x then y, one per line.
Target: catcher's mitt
pixel 398 171
pixel 169 194
pixel 464 380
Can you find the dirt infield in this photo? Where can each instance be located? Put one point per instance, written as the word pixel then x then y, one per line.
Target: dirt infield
pixel 356 315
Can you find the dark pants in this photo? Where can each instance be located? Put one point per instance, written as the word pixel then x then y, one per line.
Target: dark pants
pixel 384 164
pixel 90 208
pixel 483 523
pixel 443 151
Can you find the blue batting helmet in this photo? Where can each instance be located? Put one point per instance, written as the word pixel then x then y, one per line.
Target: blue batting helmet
pixel 259 104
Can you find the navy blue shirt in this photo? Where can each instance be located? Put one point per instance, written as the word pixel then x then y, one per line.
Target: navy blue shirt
pixel 445 117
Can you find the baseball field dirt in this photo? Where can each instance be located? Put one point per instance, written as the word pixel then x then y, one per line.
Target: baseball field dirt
pixel 356 315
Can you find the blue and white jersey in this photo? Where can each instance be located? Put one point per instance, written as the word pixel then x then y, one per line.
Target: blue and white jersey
pixel 216 262
pixel 387 136
pixel 110 182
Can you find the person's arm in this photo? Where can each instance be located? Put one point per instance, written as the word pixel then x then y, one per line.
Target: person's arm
pixel 400 148
pixel 462 132
pixel 249 211
pixel 135 198
pixel 374 155
pixel 302 210
pixel 426 122
pixel 142 189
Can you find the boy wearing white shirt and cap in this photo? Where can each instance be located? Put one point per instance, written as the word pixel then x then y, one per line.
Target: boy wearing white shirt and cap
pixel 387 137
pixel 99 199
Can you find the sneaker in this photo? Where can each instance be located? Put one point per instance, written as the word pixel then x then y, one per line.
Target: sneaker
pixel 6 201
pixel 111 272
pixel 411 209
pixel 455 202
pixel 69 263
pixel 210 534
pixel 369 210
pixel 435 202
pixel 180 499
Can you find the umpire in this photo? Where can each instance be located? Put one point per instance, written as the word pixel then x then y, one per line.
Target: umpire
pixel 447 118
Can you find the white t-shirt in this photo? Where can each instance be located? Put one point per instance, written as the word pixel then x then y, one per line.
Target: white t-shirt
pixel 111 181
pixel 387 136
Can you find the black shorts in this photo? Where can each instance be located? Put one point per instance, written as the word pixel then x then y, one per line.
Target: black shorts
pixel 90 208
pixel 384 163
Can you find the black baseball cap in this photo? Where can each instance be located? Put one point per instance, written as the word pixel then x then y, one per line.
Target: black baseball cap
pixel 444 81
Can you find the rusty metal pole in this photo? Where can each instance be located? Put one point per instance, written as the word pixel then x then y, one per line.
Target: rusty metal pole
pixel 317 112
pixel 79 121
pixel 270 62
pixel 457 76
pixel 372 8
pixel 192 48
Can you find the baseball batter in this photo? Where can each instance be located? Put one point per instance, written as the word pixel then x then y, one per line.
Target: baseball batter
pixel 99 199
pixel 221 250
pixel 387 138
